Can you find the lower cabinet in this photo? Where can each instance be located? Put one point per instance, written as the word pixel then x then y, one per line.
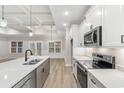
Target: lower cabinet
pixel 42 73
pixel 36 78
pixel 27 82
pixel 93 82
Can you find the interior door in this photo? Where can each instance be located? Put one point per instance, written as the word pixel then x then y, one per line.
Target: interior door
pixel 39 48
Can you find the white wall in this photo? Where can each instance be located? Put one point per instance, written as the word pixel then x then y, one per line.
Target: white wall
pixel 67 48
pixel 4 46
pixel 45 40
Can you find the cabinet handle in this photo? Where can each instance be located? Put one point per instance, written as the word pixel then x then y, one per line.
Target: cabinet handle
pixel 93 81
pixel 43 70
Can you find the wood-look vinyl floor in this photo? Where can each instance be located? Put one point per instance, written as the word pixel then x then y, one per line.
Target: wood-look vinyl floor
pixel 60 76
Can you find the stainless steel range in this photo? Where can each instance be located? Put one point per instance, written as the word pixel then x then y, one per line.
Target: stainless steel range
pixel 99 61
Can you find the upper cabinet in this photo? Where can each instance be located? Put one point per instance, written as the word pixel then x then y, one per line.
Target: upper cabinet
pixel 83 28
pixel 111 23
pixel 111 18
pixel 94 16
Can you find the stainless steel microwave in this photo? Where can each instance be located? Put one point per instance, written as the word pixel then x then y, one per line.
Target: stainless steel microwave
pixel 93 37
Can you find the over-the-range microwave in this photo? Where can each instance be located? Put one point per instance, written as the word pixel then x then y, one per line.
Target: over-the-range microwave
pixel 93 37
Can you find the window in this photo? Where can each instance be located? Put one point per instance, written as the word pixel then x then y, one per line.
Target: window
pixel 51 47
pixel 16 47
pixel 55 47
pixel 58 47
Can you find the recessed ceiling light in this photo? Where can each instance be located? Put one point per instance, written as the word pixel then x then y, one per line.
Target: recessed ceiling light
pixel 64 24
pixel 66 13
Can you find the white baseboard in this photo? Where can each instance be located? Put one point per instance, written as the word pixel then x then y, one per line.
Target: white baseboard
pixel 120 67
pixel 68 65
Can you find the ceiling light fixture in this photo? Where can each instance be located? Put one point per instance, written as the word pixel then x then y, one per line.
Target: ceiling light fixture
pixel 66 13
pixel 3 22
pixel 31 32
pixel 64 24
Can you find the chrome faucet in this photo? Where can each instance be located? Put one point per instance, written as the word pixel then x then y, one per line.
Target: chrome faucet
pixel 26 58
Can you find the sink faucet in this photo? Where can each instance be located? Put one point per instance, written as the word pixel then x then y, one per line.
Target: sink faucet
pixel 26 58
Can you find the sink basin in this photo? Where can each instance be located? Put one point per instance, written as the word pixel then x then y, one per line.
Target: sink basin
pixel 32 62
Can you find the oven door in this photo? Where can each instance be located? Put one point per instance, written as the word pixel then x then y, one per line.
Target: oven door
pixel 81 76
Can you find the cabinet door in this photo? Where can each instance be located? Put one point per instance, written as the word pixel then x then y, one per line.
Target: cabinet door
pixel 47 68
pixel 40 76
pixel 83 28
pixel 93 82
pixel 28 82
pixel 111 25
pixel 122 22
pixel 94 16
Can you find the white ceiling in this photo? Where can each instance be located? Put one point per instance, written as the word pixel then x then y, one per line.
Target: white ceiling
pixel 76 14
pixel 18 17
pixel 43 16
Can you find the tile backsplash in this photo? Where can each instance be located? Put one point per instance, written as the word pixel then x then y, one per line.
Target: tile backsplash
pixel 117 52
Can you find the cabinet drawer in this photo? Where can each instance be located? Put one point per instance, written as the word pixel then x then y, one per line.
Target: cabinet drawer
pixel 93 82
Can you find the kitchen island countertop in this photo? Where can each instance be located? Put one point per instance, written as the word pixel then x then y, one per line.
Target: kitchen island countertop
pixel 11 72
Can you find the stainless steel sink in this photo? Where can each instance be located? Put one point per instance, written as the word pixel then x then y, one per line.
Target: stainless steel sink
pixel 32 62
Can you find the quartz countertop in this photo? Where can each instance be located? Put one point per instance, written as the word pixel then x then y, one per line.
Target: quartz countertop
pixel 13 71
pixel 81 57
pixel 110 78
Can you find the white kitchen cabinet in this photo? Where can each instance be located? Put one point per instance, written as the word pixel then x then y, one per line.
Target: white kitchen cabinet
pixel 94 16
pixel 111 18
pixel 83 28
pixel 112 25
pixel 42 73
pixel 93 82
pixel 27 82
pixel 122 23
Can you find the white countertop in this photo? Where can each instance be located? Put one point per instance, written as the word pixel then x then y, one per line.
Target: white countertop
pixel 78 58
pixel 13 71
pixel 110 78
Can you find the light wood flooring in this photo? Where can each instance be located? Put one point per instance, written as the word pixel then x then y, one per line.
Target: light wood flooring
pixel 60 76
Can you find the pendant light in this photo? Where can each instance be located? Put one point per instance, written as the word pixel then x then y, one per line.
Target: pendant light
pixel 30 33
pixel 3 22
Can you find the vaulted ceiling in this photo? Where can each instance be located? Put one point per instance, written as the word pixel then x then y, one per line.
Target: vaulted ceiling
pixel 44 18
pixel 18 17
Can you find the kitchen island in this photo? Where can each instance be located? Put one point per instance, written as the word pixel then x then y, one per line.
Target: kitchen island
pixel 12 72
